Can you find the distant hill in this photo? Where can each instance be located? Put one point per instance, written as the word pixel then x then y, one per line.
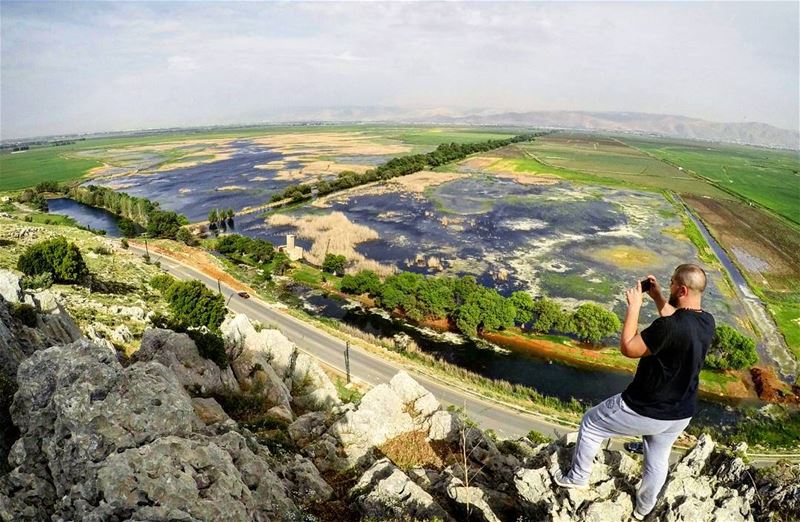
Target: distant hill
pixel 750 133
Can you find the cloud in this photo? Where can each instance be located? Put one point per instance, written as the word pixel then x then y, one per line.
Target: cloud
pixel 72 67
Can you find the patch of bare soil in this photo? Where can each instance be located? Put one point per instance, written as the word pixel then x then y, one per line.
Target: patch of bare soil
pixel 754 234
pixel 770 388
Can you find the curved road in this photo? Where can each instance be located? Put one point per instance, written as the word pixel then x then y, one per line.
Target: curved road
pixel 506 420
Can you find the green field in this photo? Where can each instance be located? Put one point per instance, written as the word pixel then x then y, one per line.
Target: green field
pixel 770 178
pixel 607 161
pixel 68 162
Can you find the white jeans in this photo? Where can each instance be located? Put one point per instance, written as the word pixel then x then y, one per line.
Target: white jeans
pixel 613 417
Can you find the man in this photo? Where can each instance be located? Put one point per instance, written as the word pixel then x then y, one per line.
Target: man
pixel 661 400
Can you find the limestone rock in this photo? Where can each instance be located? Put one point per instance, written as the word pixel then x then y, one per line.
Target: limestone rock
pixel 10 288
pixel 311 388
pixel 443 425
pixel 385 492
pixel 178 352
pixel 208 410
pixel 472 499
pixel 380 416
pixel 304 482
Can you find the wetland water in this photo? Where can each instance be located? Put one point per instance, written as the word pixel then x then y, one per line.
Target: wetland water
pixel 92 217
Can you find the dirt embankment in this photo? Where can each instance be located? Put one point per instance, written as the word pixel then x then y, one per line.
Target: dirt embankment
pixel 771 389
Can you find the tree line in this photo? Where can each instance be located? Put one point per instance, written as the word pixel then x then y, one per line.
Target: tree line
pixel 474 308
pixel 220 218
pixel 400 166
pixel 137 214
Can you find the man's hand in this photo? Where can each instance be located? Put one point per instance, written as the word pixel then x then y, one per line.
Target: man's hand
pixel 634 295
pixel 630 342
pixel 663 307
pixel 655 288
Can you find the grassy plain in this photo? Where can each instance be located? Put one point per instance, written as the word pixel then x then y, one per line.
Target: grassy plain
pixel 68 162
pixel 769 178
pixel 607 161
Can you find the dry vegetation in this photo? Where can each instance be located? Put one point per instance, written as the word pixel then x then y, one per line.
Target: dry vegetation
pixel 331 143
pixel 333 234
pixel 411 450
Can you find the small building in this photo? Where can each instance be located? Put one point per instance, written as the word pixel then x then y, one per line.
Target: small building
pixel 293 251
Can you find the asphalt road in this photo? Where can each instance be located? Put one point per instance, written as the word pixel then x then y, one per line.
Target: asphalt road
pixel 368 368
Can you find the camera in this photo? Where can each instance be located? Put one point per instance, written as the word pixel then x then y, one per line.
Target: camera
pixel 646 285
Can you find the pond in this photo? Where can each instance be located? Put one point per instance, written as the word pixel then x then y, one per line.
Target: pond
pixel 92 217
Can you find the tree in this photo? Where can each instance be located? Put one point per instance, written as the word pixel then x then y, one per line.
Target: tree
pixel 55 256
pixel 184 236
pixel 280 263
pixel 523 303
pixel 364 282
pixel 593 322
pixel 163 224
pixel 547 315
pixel 127 227
pixel 193 304
pixel 731 350
pixel 485 310
pixel 212 218
pixel 334 264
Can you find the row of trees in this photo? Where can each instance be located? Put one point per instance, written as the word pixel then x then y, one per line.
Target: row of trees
pixel 474 308
pixel 400 166
pixel 334 264
pixel 134 211
pixel 220 218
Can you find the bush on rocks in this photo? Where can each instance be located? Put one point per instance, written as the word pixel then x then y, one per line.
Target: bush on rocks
pixel 57 257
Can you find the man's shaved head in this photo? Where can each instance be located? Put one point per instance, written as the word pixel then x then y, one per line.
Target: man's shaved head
pixel 691 276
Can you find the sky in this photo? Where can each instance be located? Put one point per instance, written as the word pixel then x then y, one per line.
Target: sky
pixel 73 67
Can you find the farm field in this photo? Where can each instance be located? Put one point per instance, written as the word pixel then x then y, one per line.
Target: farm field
pixel 187 148
pixel 770 178
pixel 603 160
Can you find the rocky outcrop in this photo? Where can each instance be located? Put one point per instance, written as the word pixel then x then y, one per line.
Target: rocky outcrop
pixel 102 441
pixel 179 353
pixel 267 349
pixel 10 289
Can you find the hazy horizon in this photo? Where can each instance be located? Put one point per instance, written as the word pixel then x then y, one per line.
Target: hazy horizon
pixel 70 68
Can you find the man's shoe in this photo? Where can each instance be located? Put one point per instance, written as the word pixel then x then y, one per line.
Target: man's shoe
pixel 638 516
pixel 559 479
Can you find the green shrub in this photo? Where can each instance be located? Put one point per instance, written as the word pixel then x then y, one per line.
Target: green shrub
pixel 192 304
pixel 538 438
pixel 44 280
pixel 210 345
pixel 124 243
pixel 163 224
pixel 162 281
pixel 55 256
pixel 24 313
pixel 731 350
pixel 364 282
pixel 184 236
pixel 334 264
pixel 127 227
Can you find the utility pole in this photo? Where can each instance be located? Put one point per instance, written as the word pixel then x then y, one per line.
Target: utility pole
pixel 146 250
pixel 347 360
pixel 219 287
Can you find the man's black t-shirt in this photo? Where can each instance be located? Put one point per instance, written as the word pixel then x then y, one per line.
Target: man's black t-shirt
pixel 665 385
